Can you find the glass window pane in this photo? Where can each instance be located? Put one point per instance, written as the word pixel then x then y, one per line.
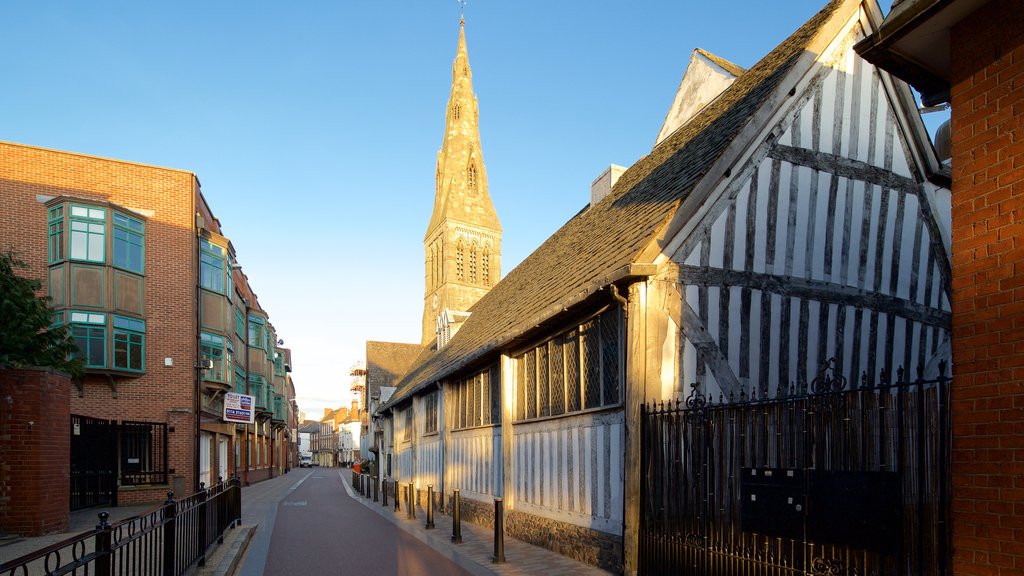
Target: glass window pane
pixel 95 248
pixel 78 243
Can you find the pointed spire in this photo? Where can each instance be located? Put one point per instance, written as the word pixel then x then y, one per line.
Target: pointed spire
pixel 461 187
pixel 463 238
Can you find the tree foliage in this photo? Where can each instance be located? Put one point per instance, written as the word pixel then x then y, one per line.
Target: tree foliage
pixel 27 336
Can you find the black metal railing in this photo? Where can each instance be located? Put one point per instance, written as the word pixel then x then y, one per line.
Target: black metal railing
pixel 143 448
pixel 168 540
pixel 820 479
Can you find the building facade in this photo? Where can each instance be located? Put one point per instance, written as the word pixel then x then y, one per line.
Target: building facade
pixel 137 266
pixel 791 228
pixel 970 54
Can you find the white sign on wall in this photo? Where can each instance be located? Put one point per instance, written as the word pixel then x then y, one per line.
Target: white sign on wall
pixel 239 408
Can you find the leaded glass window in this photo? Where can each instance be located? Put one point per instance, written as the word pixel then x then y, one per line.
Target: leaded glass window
pixel 579 369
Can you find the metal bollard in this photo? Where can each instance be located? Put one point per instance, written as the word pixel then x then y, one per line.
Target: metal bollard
pixel 410 501
pixel 430 506
pixel 376 488
pixel 499 531
pixel 384 493
pixel 456 517
pixel 397 506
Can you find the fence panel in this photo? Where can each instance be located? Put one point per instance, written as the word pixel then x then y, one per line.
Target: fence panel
pixel 821 479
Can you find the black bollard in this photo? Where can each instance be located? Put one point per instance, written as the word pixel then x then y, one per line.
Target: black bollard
pixel 430 506
pixel 376 488
pixel 384 493
pixel 410 501
pixel 499 531
pixel 456 518
pixel 397 506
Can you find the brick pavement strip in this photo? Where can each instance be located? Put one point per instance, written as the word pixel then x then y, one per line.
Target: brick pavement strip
pixel 477 547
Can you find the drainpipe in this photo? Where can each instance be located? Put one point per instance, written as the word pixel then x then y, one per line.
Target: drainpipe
pixel 198 348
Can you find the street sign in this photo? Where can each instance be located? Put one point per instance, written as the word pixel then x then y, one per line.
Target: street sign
pixel 239 408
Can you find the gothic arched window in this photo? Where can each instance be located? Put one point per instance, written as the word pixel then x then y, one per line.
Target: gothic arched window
pixel 456 110
pixel 459 272
pixel 472 263
pixel 472 177
pixel 485 266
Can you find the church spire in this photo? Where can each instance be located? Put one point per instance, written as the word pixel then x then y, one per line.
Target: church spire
pixel 463 239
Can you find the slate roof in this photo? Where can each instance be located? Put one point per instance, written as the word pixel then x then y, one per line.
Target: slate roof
pixel 386 362
pixel 589 250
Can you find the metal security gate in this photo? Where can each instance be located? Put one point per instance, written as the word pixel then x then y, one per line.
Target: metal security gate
pixel 93 462
pixel 820 480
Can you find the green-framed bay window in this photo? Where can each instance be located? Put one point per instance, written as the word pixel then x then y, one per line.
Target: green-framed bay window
pixel 88 233
pixel 129 234
pixel 212 351
pixel 258 389
pixel 55 250
pixel 89 330
pixel 211 266
pixel 239 383
pixel 240 325
pixel 257 331
pixel 129 344
pixel 278 364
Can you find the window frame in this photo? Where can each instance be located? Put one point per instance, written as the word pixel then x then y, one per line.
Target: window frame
pixel 56 239
pixel 132 229
pixel 476 399
pixel 89 221
pixel 601 371
pixel 214 343
pixel 128 328
pixel 430 420
pixel 212 265
pixel 91 321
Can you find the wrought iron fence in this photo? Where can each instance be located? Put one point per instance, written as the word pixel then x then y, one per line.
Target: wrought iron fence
pixel 819 480
pixel 143 449
pixel 166 541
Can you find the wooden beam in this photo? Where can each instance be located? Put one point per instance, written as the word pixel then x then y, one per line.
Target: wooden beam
pixel 844 167
pixel 820 291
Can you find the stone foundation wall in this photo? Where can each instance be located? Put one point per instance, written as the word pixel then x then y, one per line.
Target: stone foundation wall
pixel 584 544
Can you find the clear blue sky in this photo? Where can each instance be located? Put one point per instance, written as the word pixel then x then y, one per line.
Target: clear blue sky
pixel 314 126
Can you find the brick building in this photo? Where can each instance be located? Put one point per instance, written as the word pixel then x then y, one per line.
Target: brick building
pixel 970 54
pixel 137 266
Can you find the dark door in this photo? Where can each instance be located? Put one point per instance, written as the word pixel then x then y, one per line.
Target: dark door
pixel 93 462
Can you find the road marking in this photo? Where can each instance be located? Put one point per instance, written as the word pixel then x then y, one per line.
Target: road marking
pixel 294 503
pixel 294 486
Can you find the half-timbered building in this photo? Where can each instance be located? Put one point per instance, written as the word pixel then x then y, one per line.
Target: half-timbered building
pixel 794 218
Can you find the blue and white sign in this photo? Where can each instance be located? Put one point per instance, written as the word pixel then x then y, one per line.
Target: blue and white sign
pixel 239 408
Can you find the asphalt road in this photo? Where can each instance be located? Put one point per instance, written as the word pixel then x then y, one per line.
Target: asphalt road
pixel 309 525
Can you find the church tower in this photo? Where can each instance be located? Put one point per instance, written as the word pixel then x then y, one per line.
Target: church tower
pixel 463 240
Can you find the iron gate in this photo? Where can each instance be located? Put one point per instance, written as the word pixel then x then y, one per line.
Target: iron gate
pixel 818 481
pixel 93 462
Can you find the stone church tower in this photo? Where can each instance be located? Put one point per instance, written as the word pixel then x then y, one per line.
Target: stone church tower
pixel 463 240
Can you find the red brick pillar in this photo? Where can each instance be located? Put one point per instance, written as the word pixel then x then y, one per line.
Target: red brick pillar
pixel 988 290
pixel 35 451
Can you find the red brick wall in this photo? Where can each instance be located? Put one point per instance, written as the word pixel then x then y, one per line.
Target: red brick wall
pixel 988 290
pixel 163 394
pixel 35 448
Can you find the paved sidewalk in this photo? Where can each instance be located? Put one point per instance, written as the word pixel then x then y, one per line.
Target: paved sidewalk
pixel 477 547
pixel 81 521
